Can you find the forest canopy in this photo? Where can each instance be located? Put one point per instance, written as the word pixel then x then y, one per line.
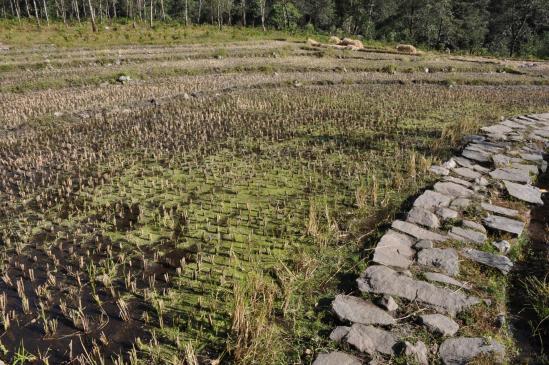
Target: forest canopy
pixel 502 27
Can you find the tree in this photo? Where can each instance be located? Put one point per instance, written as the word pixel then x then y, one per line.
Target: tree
pixel 92 17
pixel 285 15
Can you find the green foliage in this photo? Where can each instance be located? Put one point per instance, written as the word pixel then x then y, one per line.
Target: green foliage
pixel 285 15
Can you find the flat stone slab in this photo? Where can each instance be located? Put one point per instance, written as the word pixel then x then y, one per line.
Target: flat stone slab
pixel 474 225
pixel 486 146
pixel 466 173
pixel 532 169
pixel 445 259
pixel 439 170
pixel 477 155
pixel 372 340
pixel 500 262
pixel 446 213
pixel 422 244
pixel 514 125
pixel 440 324
pixel 501 160
pixel 499 210
pixel 467 235
pixel 456 180
pixel 339 333
pixel 431 199
pixel 423 217
pixel 504 224
pixel 511 174
pixel 417 232
pixel 461 350
pixel 394 249
pixel 445 279
pixel 531 157
pixel 383 280
pixel 462 161
pixel 525 193
pixel 452 189
pixel 336 358
pixel 497 129
pixel 460 204
pixel 358 310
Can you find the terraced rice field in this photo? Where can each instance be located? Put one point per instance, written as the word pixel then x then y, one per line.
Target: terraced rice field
pixel 206 209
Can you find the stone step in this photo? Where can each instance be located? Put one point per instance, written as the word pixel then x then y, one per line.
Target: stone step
pixel 504 224
pixel 357 310
pixel 461 350
pixel 500 262
pixel 383 280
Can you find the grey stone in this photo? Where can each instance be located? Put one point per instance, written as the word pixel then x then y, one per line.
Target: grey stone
pixel 501 160
pixel 466 173
pixel 417 232
pixel 431 199
pixel 497 137
pixel 543 167
pixel 486 146
pixel 452 189
pixel 418 352
pixel 439 170
pixel 526 193
pixel 383 280
pixel 461 350
pixel 497 129
pixel 462 161
pixel 359 310
pixel 456 180
pixel 336 358
pixel 477 155
pixel 388 303
pixel 394 249
pixel 422 244
pixel 445 279
pixel 511 174
pixel 445 259
pixel 446 213
pixel 474 225
pixel 502 263
pixel 460 204
pixel 473 138
pixel 423 217
pixel 440 324
pixel 503 246
pixel 531 157
pixel 339 332
pixel 504 224
pixel 450 164
pixel 541 132
pixel 531 169
pixel 371 340
pixel 482 181
pixel 500 210
pixel 514 125
pixel 481 169
pixel 467 235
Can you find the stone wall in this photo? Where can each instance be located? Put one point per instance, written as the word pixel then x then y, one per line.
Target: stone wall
pixel 418 259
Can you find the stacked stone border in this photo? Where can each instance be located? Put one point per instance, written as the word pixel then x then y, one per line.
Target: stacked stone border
pixel 500 162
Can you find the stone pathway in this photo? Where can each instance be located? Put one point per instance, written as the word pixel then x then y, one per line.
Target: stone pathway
pixel 499 162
